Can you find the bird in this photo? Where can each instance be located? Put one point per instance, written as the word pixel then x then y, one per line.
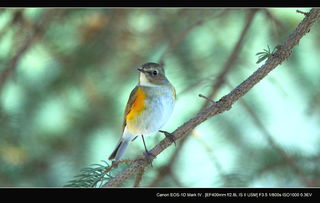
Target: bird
pixel 148 109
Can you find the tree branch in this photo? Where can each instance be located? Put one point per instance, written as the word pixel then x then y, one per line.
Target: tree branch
pixel 210 151
pixel 272 143
pixel 178 38
pixel 38 30
pixel 225 103
pixel 273 19
pixel 232 58
pixel 167 169
pixel 139 178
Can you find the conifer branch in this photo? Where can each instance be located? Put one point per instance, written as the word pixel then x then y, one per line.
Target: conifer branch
pixel 91 176
pixel 167 170
pixel 229 64
pixel 178 38
pixel 37 31
pixel 225 103
pixel 272 143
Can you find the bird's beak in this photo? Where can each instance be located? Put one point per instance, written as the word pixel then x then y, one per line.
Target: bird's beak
pixel 141 70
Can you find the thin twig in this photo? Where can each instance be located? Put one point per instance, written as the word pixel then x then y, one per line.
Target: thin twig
pixel 166 170
pixel 209 100
pixel 228 64
pixel 278 23
pixel 226 102
pixel 302 12
pixel 230 61
pixel 16 18
pixel 272 166
pixel 37 31
pixel 176 181
pixel 209 150
pixel 178 38
pixel 232 58
pixel 266 134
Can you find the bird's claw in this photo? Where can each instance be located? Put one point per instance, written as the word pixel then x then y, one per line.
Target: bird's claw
pixel 149 156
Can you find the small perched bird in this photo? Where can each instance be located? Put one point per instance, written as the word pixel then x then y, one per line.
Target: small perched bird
pixel 149 107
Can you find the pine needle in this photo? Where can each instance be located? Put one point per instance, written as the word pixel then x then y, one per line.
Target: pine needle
pixel 93 176
pixel 265 54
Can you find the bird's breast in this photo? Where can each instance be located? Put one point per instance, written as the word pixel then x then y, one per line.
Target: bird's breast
pixel 157 109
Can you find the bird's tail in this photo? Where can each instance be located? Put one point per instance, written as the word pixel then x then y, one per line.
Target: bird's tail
pixel 119 150
pixel 122 145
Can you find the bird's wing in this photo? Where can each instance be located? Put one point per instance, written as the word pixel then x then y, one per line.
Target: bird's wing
pixel 131 101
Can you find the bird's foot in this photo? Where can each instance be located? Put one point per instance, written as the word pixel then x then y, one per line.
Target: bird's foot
pixel 149 156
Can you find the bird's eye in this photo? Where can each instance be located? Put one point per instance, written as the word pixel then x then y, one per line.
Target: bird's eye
pixel 154 73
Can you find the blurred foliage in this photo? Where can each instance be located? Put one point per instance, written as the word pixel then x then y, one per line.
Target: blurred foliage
pixel 62 101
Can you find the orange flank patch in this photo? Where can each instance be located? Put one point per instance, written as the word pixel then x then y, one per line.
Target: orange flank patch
pixel 138 105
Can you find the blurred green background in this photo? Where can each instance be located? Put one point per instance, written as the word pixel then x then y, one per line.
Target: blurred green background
pixel 66 75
